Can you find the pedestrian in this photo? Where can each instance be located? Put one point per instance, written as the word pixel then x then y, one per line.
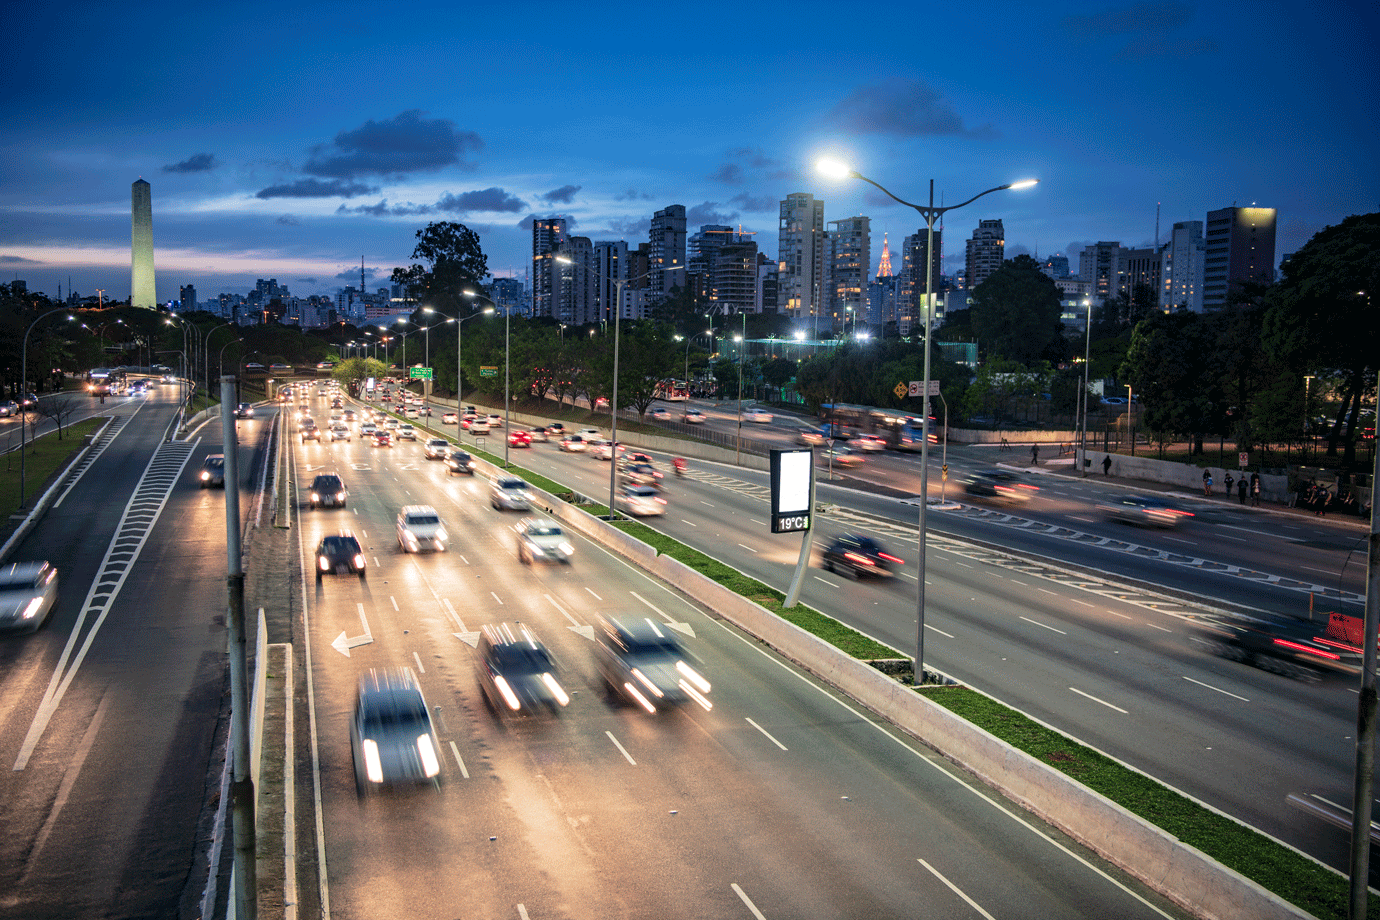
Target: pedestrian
pixel 1241 486
pixel 1321 501
pixel 1255 490
pixel 1107 465
pixel 1207 483
pixel 1228 478
pixel 1034 454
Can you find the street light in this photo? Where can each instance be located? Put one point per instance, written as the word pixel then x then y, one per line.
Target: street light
pixel 206 359
pixel 24 394
pixel 929 213
pixel 460 321
pixel 1087 355
pixel 221 358
pixel 1131 416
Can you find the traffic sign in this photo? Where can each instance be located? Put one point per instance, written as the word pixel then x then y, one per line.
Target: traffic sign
pixel 917 387
pixel 488 370
pixel 419 373
pixel 900 390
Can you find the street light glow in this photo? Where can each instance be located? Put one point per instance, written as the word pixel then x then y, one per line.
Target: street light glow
pixel 1024 183
pixel 833 168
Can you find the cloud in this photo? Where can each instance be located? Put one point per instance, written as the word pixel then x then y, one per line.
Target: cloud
pixel 315 188
pixel 408 143
pixel 708 213
pixel 306 281
pixel 488 199
pixel 352 274
pixel 384 209
pixel 526 222
pixel 755 158
pixel 200 162
pixel 632 194
pixel 1162 16
pixel 756 202
pixel 19 260
pixel 287 220
pixel 637 229
pixel 901 107
pixel 563 195
pixel 728 173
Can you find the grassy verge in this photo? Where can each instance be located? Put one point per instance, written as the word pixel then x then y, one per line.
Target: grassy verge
pixel 1276 868
pixel 44 457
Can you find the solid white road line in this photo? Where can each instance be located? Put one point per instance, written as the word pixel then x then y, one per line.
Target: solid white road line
pixel 940 631
pixel 1050 628
pixel 1218 689
pixel 621 748
pixel 742 896
pixel 456 751
pixel 418 659
pixel 1096 700
pixel 767 734
pixel 955 889
pixel 596 597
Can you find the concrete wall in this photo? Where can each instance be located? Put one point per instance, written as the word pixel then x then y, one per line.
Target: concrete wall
pixel 978 436
pixel 1273 488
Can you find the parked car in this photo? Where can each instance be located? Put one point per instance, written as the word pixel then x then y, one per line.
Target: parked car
pixel 858 555
pixel 542 540
pixel 339 555
pixel 420 528
pixel 28 591
pixel 212 472
pixel 391 735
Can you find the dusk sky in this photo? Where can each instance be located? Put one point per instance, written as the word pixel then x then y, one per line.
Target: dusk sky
pixel 286 141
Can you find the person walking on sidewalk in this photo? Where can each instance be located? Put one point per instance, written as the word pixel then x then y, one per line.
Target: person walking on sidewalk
pixel 1230 481
pixel 1241 487
pixel 1034 455
pixel 1107 465
pixel 1207 483
pixel 1255 490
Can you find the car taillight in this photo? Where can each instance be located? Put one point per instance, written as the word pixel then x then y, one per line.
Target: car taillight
pixel 860 560
pixel 890 558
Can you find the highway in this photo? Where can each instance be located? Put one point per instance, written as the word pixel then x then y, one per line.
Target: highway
pixel 783 800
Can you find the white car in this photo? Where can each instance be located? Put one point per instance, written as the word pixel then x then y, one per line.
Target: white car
pixel 450 418
pixel 407 433
pixel 414 412
pixel 495 420
pixel 589 433
pixel 868 442
pixel 436 448
pixel 420 528
pixel 542 540
pixel 508 493
pixel 693 417
pixel 757 414
pixel 573 444
pixel 604 450
pixel 28 591
pixel 479 426
pixel 640 501
pixel 661 413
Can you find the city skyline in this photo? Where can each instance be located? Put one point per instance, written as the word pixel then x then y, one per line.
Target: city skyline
pixel 295 165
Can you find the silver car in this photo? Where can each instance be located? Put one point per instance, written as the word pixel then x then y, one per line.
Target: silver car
pixel 640 501
pixel 508 493
pixel 391 735
pixel 436 448
pixel 542 540
pixel 643 662
pixel 28 591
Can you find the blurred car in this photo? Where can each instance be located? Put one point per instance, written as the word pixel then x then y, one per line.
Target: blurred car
pixel 9 408
pixel 516 672
pixel 519 438
pixel 340 432
pixel 339 555
pixel 458 461
pixel 573 443
pixel 450 418
pixel 810 437
pixel 867 442
pixel 420 528
pixel 383 438
pixel 479 426
pixel 590 434
pixel 413 412
pixel 508 493
pixel 349 415
pixel 244 410
pixel 639 501
pixel 29 401
pixel 537 433
pixel 643 662
pixel 327 490
pixel 368 430
pixel 1145 510
pixel 605 449
pixel 601 402
pixel 641 474
pixel 303 420
pixel 407 433
pixel 693 417
pixel 212 471
pixel 436 448
pixel 999 485
pixel 757 414
pixel 337 403
pixel 840 455
pixel 542 540
pixel 391 423
pixel 1293 647
pixel 391 735
pixel 495 420
pixel 28 591
pixel 310 433
pixel 555 430
pixel 856 555
pixel 660 413
pixel 467 420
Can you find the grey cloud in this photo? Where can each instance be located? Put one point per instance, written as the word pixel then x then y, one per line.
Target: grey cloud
pixel 632 229
pixel 901 107
pixel 200 162
pixel 18 260
pixel 632 194
pixel 729 174
pixel 407 143
pixel 755 202
pixel 563 195
pixel 708 213
pixel 488 199
pixel 315 188
pixel 1138 17
pixel 288 220
pixel 755 157
pixel 384 209
pixel 352 274
pixel 306 280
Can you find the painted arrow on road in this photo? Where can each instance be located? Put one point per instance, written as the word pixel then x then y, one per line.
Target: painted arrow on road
pixel 344 643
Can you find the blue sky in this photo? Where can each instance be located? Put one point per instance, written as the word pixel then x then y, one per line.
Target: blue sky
pixel 288 141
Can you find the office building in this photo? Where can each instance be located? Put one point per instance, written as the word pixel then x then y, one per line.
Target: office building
pixel 801 256
pixel 1183 283
pixel 1097 268
pixel 576 299
pixel 186 296
pixel 142 290
pixel 666 252
pixel 847 265
pixel 986 250
pixel 547 235
pixel 1238 247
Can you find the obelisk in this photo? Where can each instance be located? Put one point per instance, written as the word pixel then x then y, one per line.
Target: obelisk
pixel 141 289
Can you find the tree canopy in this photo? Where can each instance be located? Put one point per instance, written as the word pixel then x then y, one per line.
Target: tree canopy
pixel 1016 314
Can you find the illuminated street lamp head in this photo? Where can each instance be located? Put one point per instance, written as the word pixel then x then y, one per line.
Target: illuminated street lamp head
pixel 834 169
pixel 565 260
pixel 427 310
pixel 1024 183
pixel 799 336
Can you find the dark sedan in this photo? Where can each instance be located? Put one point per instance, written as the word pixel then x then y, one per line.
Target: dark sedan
pixel 642 661
pixel 339 555
pixel 391 736
pixel 857 555
pixel 516 672
pixel 213 472
pixel 1145 510
pixel 999 485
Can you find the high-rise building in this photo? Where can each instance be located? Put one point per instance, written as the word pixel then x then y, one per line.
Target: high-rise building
pixel 187 296
pixel 142 290
pixel 509 295
pixel 986 250
pixel 547 235
pixel 611 264
pixel 801 256
pixel 576 298
pixel 847 264
pixel 1239 247
pixel 666 254
pixel 1055 266
pixel 1097 267
pixel 723 264
pixel 1137 268
pixel 1183 287
pixel 768 284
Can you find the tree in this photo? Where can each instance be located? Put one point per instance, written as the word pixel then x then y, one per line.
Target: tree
pixel 59 409
pixel 1171 364
pixel 457 263
pixel 1319 318
pixel 778 372
pixel 1016 313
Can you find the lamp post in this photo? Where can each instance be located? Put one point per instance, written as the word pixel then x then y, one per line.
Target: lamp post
pixel 206 359
pixel 221 359
pixel 460 321
pixel 23 397
pixel 1087 356
pixel 1131 417
pixel 742 351
pixel 930 214
pixel 1307 428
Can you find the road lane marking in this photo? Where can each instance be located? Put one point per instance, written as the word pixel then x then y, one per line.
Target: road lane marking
pixel 69 779
pixel 1160 628
pixel 1050 628
pixel 456 751
pixel 462 558
pixel 621 748
pixel 522 911
pixel 1218 689
pixel 742 896
pixel 758 523
pixel 395 602
pixel 768 735
pixel 707 504
pixel 1047 591
pixel 418 658
pixel 596 597
pixel 955 889
pixel 1084 603
pixel 565 613
pixel 1096 700
pixel 1181 540
pixel 829 583
pixel 691 523
pixel 748 548
pixel 497 598
pixel 940 631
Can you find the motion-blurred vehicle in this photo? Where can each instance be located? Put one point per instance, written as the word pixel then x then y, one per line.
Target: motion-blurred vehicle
pixel 28 591
pixel 304 420
pixel 590 434
pixel 459 461
pixel 339 555
pixel 391 734
pixel 383 438
pixel 605 449
pixel 810 437
pixel 479 426
pixel 436 448
pixel 495 420
pixel 541 539
pixel 840 455
pixel 407 433
pixel 857 555
pixel 643 662
pixel 516 672
pixel 368 430
pixel 311 433
pixel 640 501
pixel 1296 648
pixel 467 420
pixel 420 528
pixel 999 485
pixel 340 432
pixel 868 442
pixel 555 430
pixel 537 433
pixel 758 415
pixel 9 408
pixel 327 489
pixel 641 474
pixel 450 418
pixel 244 410
pixel 1145 510
pixel 573 443
pixel 349 415
pixel 660 413
pixel 508 493
pixel 693 417
pixel 519 438
pixel 212 471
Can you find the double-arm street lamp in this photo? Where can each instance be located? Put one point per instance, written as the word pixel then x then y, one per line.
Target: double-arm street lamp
pixel 460 321
pixel 24 394
pixel 507 375
pixel 930 214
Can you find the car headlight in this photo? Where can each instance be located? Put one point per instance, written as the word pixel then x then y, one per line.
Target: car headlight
pixel 31 610
pixel 340 496
pixel 323 563
pixel 427 751
pixel 556 691
pixel 507 693
pixel 359 561
pixel 205 474
pixel 567 549
pixel 314 496
pixel 373 765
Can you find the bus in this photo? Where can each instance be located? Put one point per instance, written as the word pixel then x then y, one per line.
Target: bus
pixel 901 430
pixel 672 390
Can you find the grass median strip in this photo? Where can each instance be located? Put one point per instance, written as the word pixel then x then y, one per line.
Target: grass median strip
pixel 1286 873
pixel 44 457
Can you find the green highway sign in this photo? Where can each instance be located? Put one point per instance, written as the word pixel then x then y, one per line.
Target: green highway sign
pixel 488 371
pixel 419 373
